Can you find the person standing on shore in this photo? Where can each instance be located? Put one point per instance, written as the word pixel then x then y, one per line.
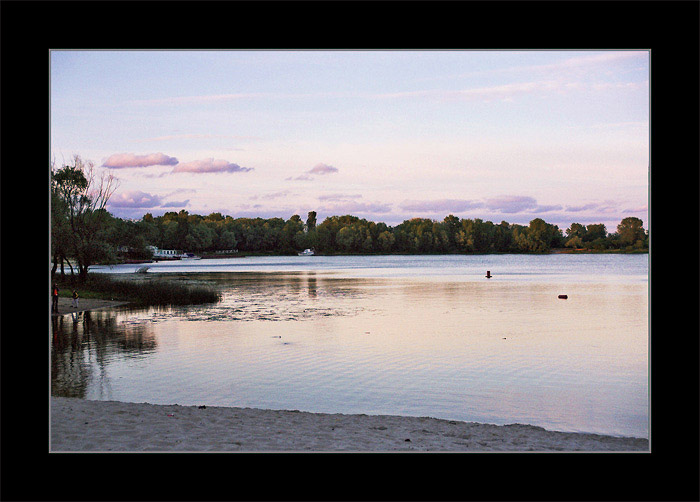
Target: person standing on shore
pixel 54 300
pixel 74 302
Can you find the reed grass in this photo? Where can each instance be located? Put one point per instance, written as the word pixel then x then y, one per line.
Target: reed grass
pixel 143 291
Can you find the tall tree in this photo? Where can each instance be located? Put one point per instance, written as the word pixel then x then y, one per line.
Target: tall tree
pixel 86 197
pixel 631 232
pixel 60 226
pixel 311 221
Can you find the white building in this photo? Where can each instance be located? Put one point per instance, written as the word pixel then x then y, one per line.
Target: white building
pixel 165 253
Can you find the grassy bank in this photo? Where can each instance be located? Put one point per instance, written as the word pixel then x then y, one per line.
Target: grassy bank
pixel 137 290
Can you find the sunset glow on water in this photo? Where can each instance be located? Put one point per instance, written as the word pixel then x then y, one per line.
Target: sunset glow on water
pixel 403 342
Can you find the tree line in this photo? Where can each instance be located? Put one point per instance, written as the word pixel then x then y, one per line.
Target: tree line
pixel 82 230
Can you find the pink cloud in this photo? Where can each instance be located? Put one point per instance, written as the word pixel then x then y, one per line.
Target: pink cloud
pixel 301 177
pixel 121 160
pixel 585 207
pixel 210 166
pixel 322 169
pixel 511 203
pixel 518 204
pixel 135 198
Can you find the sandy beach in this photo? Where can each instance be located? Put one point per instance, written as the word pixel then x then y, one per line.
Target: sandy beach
pixel 79 425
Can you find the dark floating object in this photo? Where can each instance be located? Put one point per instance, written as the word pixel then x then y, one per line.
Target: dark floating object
pixel 563 297
pixel 488 274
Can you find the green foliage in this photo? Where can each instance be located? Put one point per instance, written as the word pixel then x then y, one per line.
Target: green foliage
pixel 575 242
pixel 79 218
pixel 349 234
pixel 311 221
pixel 595 232
pixel 631 231
pixel 82 231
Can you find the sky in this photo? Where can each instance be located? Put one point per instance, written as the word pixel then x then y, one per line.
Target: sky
pixel 382 135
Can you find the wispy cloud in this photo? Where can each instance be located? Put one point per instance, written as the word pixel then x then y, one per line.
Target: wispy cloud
pixel 575 65
pixel 270 196
pixel 123 160
pixel 511 203
pixel 169 204
pixel 584 207
pixel 206 98
pixel 337 197
pixel 197 136
pixel 356 207
pixel 581 62
pixel 223 98
pixel 301 177
pixel 440 205
pixel 135 199
pixel 319 169
pixel 210 166
pixel 607 206
pixel 505 91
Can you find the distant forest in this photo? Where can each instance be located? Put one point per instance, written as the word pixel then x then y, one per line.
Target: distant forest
pixel 83 231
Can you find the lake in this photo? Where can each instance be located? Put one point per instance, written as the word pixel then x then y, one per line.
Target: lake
pixel 400 335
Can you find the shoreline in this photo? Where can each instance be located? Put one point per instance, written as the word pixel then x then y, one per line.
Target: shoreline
pixel 79 425
pixel 84 305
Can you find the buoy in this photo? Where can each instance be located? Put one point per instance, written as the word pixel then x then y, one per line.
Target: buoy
pixel 488 274
pixel 563 297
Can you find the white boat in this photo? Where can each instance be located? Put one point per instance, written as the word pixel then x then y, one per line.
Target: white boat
pixel 307 252
pixel 189 256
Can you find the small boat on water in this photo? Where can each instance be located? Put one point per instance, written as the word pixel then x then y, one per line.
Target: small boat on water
pixel 307 252
pixel 189 256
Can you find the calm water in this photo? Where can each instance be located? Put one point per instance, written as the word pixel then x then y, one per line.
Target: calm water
pixel 402 335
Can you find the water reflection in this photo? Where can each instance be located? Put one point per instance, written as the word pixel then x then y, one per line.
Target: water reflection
pixel 490 351
pixel 291 296
pixel 84 343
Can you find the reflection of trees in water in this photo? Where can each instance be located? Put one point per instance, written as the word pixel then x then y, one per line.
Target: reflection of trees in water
pixel 84 343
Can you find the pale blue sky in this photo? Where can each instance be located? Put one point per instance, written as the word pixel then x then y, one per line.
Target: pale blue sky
pixel 384 135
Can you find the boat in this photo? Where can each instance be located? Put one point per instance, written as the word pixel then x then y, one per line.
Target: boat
pixel 307 252
pixel 189 256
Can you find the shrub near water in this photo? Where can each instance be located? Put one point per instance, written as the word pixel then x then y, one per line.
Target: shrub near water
pixel 149 291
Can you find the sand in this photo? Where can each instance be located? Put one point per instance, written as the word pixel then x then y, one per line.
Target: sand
pixel 79 425
pixel 64 305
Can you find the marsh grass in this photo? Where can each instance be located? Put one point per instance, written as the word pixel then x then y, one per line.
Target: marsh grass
pixel 144 291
